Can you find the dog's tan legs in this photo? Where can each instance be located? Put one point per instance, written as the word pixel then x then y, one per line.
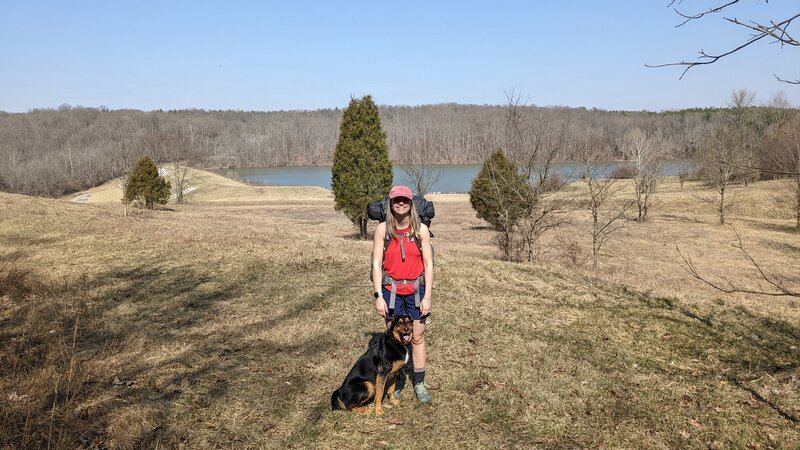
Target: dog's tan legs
pixel 392 383
pixel 380 385
pixel 397 366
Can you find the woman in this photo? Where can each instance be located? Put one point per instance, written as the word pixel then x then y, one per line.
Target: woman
pixel 402 274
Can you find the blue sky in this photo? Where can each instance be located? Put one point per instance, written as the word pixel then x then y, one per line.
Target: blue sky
pixel 307 55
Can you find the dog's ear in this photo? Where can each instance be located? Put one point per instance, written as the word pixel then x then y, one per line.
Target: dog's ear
pixel 397 320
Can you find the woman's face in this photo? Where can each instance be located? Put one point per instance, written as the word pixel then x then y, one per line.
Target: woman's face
pixel 401 205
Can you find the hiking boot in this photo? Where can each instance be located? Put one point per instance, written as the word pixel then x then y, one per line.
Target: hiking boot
pixel 422 393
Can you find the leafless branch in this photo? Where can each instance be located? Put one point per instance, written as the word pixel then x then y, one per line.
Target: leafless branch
pixel 778 288
pixel 786 81
pixel 700 14
pixel 753 169
pixel 775 30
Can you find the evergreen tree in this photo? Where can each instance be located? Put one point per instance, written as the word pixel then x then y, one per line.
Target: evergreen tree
pixel 145 186
pixel 361 172
pixel 499 194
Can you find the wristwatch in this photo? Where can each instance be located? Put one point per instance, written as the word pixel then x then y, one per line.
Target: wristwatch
pixel 376 294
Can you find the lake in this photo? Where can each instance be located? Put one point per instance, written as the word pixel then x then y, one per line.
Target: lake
pixel 453 178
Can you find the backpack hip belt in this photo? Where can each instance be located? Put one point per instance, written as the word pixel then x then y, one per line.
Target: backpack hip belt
pixel 417 282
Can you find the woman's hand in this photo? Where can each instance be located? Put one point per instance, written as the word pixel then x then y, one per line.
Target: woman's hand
pixel 380 306
pixel 425 306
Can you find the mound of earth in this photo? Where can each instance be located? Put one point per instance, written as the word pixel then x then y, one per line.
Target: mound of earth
pixel 205 186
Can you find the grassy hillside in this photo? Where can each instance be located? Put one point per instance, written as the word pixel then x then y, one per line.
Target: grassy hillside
pixel 204 186
pixel 226 324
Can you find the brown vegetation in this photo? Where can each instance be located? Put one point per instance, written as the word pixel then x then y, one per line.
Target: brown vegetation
pixel 210 326
pixel 55 152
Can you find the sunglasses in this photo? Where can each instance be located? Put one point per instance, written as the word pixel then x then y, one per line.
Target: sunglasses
pixel 403 200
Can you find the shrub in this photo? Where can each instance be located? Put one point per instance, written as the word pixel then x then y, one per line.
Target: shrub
pixel 145 186
pixel 15 282
pixel 622 173
pixel 499 194
pixel 552 183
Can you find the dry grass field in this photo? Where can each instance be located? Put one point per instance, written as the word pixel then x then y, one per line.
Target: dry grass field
pixel 228 321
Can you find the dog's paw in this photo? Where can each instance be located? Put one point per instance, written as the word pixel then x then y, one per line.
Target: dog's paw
pixel 394 401
pixel 378 411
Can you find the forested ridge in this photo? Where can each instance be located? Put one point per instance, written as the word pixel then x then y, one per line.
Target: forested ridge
pixel 51 152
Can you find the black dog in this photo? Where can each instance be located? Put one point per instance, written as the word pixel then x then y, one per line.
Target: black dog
pixel 376 370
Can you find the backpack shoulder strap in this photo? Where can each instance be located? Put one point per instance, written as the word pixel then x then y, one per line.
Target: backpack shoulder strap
pixel 386 241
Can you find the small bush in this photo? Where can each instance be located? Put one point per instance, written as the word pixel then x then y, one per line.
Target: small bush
pixel 570 251
pixel 145 186
pixel 622 173
pixel 552 183
pixel 499 195
pixel 15 282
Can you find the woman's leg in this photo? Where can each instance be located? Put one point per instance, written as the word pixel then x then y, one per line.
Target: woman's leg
pixel 418 356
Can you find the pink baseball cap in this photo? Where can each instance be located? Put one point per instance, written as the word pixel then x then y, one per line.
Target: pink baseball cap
pixel 400 191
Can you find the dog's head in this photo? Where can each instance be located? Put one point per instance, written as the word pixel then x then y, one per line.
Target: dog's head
pixel 401 329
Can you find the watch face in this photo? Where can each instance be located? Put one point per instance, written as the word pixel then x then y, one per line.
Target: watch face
pixel 376 295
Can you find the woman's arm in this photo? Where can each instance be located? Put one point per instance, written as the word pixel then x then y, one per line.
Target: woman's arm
pixel 377 266
pixel 427 260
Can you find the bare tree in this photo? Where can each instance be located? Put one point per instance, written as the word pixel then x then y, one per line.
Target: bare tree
pixel 180 181
pixel 419 169
pixel 608 216
pixel 646 153
pixel 122 183
pixel 683 174
pixel 780 107
pixel 783 142
pixel 721 165
pixel 775 31
pixel 535 142
pixel 747 128
pixel 775 286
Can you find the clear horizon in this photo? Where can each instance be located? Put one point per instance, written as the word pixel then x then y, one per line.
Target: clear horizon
pixel 272 56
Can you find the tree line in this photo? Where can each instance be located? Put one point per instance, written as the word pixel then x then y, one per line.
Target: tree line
pixel 514 191
pixel 52 152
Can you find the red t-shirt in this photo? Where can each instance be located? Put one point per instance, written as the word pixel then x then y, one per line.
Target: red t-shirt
pixel 393 263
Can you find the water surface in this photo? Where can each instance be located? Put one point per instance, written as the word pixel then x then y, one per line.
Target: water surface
pixel 452 178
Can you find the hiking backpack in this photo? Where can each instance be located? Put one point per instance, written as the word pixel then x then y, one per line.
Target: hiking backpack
pixel 425 211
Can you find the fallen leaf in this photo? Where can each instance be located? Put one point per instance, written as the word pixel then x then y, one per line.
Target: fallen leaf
pixel 693 422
